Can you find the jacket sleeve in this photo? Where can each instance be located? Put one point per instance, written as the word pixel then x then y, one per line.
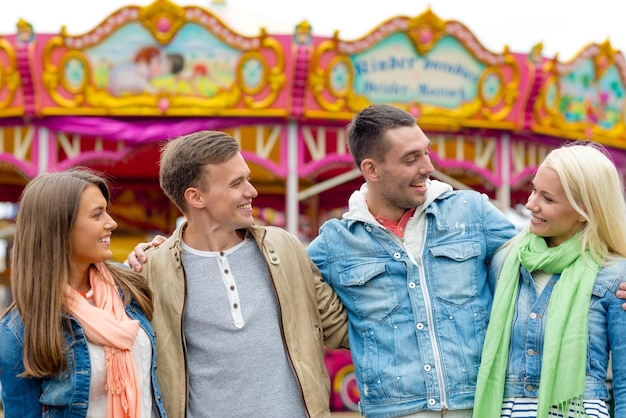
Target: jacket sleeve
pixel 498 229
pixel 616 321
pixel 317 250
pixel 20 396
pixel 332 312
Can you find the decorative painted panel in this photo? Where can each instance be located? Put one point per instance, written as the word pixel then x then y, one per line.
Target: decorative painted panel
pixel 11 100
pixel 435 69
pixel 164 60
pixel 584 98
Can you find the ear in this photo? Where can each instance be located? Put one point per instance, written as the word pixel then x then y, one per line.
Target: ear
pixel 193 198
pixel 581 218
pixel 369 169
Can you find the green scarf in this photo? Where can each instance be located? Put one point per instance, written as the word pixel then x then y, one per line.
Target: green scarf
pixel 565 342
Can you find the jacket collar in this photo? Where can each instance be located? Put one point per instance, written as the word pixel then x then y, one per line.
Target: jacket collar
pixel 358 210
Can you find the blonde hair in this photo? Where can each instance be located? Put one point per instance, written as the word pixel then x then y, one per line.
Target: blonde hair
pixel 595 190
pixel 41 265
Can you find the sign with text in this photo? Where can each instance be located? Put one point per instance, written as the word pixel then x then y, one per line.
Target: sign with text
pixel 393 71
pixel 435 69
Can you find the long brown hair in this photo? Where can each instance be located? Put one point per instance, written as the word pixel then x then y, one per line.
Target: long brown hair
pixel 41 265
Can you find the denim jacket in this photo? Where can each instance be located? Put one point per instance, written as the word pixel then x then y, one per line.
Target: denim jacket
pixel 417 317
pixel 606 325
pixel 66 394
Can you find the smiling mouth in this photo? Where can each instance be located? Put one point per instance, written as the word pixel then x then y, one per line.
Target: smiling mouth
pixel 245 207
pixel 105 240
pixel 420 184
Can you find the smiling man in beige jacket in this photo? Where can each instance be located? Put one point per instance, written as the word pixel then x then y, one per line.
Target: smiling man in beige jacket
pixel 241 313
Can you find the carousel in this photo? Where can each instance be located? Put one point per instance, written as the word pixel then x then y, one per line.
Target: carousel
pixel 109 98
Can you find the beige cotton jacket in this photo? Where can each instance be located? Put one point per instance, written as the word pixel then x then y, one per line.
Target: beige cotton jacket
pixel 311 316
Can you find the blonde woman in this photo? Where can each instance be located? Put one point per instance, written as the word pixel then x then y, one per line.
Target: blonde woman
pixel 77 341
pixel 555 316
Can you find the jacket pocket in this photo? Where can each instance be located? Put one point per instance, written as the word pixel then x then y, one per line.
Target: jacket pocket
pixel 56 392
pixel 371 289
pixel 455 271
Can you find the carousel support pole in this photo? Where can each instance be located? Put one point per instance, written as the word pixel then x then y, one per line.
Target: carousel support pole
pixel 43 149
pixel 503 194
pixel 293 180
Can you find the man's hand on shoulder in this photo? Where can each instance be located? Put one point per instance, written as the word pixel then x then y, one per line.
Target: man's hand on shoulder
pixel 137 258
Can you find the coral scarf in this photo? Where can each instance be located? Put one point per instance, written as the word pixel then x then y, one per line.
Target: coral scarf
pixel 563 365
pixel 107 325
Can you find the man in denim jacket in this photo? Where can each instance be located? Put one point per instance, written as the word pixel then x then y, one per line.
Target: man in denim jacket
pixel 409 261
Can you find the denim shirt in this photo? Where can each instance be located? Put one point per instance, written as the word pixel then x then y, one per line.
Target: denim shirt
pixel 417 322
pixel 606 330
pixel 67 393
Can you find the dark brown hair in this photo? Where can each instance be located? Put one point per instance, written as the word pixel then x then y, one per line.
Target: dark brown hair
pixel 366 132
